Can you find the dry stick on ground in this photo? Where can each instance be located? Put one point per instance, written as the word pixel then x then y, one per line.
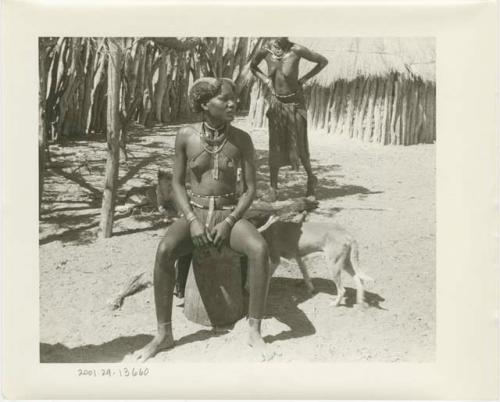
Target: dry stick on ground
pixel 262 215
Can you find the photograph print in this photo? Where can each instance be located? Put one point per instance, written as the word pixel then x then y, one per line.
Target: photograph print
pixel 237 199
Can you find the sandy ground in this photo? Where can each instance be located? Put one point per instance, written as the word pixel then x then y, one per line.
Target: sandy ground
pixel 385 196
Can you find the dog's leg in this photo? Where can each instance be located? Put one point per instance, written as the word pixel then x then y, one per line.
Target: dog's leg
pixel 352 268
pixel 337 261
pixel 305 274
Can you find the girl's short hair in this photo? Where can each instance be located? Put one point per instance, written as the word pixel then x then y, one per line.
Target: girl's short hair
pixel 204 89
pixel 282 42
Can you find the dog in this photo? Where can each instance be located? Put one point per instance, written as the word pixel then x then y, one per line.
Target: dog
pixel 296 240
pixel 293 239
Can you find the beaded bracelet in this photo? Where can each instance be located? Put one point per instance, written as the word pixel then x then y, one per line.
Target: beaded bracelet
pixel 191 217
pixel 231 220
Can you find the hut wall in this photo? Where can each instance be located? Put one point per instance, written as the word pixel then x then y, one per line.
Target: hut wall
pixel 386 110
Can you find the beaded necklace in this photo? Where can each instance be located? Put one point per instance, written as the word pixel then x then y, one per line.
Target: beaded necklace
pixel 217 143
pixel 279 56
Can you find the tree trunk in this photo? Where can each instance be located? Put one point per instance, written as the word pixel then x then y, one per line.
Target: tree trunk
pixel 113 132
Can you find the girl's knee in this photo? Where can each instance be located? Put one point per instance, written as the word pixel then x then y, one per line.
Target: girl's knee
pixel 258 249
pixel 165 249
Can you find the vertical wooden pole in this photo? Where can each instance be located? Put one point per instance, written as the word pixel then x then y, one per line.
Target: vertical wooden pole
pixel 311 107
pixel 89 88
pixel 349 115
pixel 327 122
pixel 161 84
pixel 433 113
pixel 332 113
pixel 113 133
pixel 341 108
pixel 360 110
pixel 379 112
pixel 368 121
pixel 42 126
pixel 395 118
pixel 387 111
pixel 98 83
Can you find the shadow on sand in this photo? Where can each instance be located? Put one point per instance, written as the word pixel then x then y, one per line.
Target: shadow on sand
pixel 113 351
pixel 285 296
pixel 292 184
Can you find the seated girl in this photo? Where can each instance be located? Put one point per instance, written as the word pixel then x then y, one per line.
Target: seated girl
pixel 212 213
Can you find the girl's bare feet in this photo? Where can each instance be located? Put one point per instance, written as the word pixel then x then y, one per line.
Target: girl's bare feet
pixel 256 342
pixel 312 182
pixel 163 340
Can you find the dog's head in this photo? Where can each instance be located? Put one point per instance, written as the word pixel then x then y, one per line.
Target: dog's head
pixel 164 192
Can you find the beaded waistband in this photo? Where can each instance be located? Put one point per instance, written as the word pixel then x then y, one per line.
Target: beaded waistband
pixel 286 96
pixel 227 195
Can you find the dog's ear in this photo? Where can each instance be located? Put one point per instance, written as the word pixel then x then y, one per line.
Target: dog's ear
pixel 164 174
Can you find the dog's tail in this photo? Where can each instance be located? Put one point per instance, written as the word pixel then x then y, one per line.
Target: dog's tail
pixel 271 220
pixel 355 263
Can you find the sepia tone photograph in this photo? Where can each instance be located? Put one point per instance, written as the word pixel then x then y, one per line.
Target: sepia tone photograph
pixel 237 199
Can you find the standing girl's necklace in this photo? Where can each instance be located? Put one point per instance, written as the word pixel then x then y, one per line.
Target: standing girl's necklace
pixel 277 56
pixel 216 144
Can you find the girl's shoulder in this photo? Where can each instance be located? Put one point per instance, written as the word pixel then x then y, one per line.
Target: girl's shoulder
pixel 238 132
pixel 189 130
pixel 240 137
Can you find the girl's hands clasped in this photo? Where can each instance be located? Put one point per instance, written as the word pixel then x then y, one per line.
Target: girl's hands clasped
pixel 220 233
pixel 199 235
